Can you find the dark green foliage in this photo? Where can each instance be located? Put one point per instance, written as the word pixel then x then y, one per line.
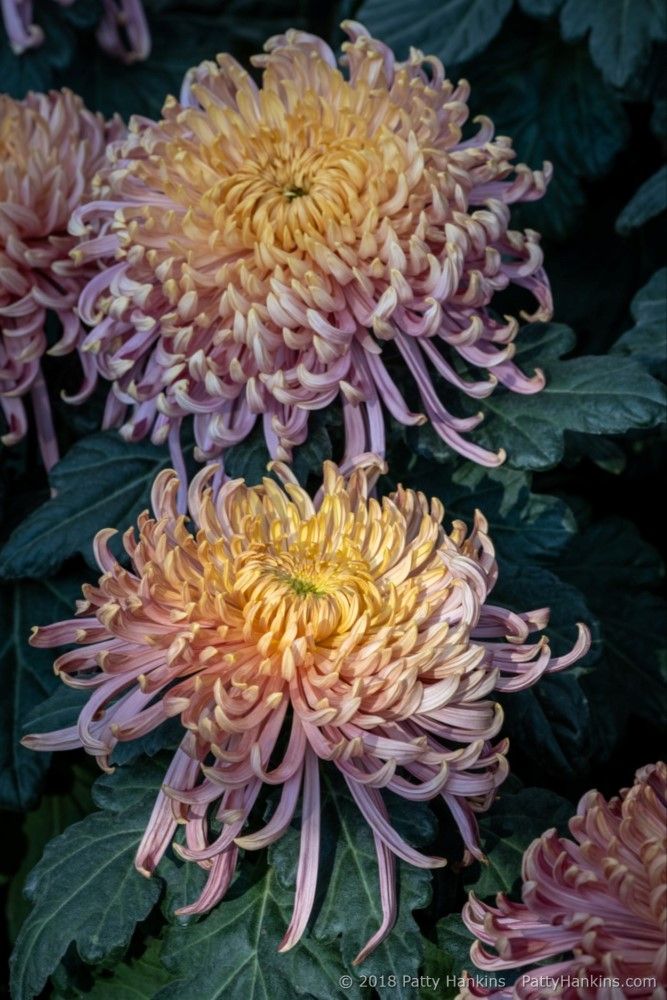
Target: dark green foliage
pixel 518 816
pixel 575 516
pixel 645 341
pixel 621 33
pixel 85 890
pixel 55 813
pixel 595 395
pixel 650 200
pixel 579 124
pixel 27 679
pixel 102 482
pixel 135 978
pixel 454 29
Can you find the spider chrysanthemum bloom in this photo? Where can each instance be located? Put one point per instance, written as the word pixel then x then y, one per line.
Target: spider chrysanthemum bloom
pixel 594 910
pixel 270 240
pixel 359 628
pixel 50 148
pixel 122 32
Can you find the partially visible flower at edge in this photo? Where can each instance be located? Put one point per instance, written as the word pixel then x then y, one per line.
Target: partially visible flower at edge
pixel 122 32
pixel 360 627
pixel 265 242
pixel 50 148
pixel 594 907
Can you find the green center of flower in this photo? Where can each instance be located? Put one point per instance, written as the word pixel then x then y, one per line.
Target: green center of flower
pixel 294 192
pixel 302 586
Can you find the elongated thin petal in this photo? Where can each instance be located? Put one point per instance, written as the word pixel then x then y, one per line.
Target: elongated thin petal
pixel 387 873
pixel 306 876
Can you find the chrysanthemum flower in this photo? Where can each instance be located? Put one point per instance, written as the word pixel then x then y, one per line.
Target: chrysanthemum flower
pixel 269 240
pixel 122 32
pixel 50 147
pixel 594 909
pixel 360 627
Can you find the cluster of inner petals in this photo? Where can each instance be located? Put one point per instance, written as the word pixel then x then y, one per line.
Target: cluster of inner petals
pixel 263 243
pixel 357 627
pixel 594 910
pixel 122 31
pixel 50 148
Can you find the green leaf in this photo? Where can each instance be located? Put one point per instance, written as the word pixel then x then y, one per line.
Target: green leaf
pixel 455 30
pixel 60 710
pixel 524 526
pixel 184 883
pixel 602 451
pixel 309 457
pixel 55 813
pixel 646 340
pixel 556 107
pixel 455 938
pixel 513 822
pixel 232 950
pixel 659 115
pixel 437 973
pixel 453 955
pixel 540 8
pixel 102 482
pixel 593 395
pixel 83 15
pixel 132 979
pixel 550 724
pixel 28 678
pixel 621 33
pixel 179 41
pixel 85 891
pixel 129 788
pixel 650 200
pixel 249 459
pixel 524 585
pixel 614 567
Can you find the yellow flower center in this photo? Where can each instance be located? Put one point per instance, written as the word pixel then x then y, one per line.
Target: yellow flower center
pixel 285 574
pixel 291 183
pixel 299 167
pixel 311 585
